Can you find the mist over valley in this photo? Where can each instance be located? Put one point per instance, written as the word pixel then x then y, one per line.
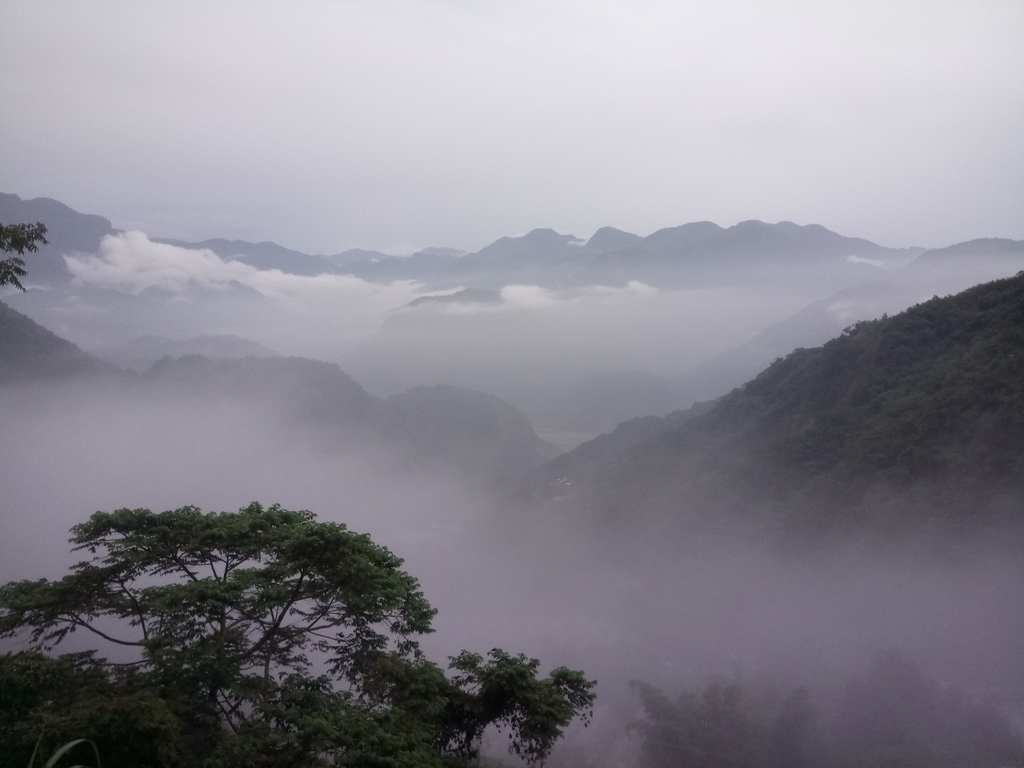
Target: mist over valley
pixel 629 455
pixel 427 384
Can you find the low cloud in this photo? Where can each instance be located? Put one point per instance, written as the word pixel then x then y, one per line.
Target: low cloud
pixel 132 262
pixel 843 311
pixel 528 296
pixel 278 309
pixel 861 260
pixel 537 298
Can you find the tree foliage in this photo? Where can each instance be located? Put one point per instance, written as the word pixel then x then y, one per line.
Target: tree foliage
pixel 264 638
pixel 896 715
pixel 18 238
pixel 712 730
pixel 892 717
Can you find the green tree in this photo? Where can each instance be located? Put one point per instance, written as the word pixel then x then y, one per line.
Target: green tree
pixel 793 732
pixel 897 715
pixel 276 640
pixel 18 238
pixel 712 730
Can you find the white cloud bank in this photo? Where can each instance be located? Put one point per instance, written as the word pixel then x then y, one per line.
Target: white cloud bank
pixel 864 260
pixel 133 263
pixel 295 314
pixel 534 338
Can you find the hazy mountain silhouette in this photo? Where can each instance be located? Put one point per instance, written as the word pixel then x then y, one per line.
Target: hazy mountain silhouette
pixel 535 245
pixel 142 352
pixel 697 253
pixel 610 239
pixel 464 428
pixel 355 256
pixel 443 426
pixel 812 326
pixel 424 265
pixel 440 426
pixel 987 246
pixel 31 353
pixel 465 296
pixel 597 402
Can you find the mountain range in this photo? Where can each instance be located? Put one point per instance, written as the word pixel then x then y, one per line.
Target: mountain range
pixel 690 254
pixel 140 353
pixel 907 425
pixel 837 281
pixel 443 427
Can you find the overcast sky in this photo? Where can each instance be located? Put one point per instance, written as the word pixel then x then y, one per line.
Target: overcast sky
pixel 398 125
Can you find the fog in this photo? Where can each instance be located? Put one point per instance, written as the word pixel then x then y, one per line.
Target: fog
pixel 620 603
pixel 577 358
pixel 339 413
pixel 494 146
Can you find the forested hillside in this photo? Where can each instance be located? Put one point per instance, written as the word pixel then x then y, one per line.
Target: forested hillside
pixel 902 422
pixel 29 352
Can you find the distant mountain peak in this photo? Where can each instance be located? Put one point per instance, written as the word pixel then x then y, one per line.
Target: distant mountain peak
pixel 609 239
pixel 539 242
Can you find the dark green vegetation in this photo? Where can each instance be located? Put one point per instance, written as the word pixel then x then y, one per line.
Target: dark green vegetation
pixel 894 717
pixel 67 231
pixel 19 239
pixel 907 423
pixel 261 638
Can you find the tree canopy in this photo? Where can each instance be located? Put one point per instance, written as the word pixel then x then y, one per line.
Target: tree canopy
pixel 892 716
pixel 18 238
pixel 261 637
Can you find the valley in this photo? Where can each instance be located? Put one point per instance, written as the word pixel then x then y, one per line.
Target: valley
pixel 750 507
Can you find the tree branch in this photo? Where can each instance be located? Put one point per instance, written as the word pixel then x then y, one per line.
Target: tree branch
pixel 78 622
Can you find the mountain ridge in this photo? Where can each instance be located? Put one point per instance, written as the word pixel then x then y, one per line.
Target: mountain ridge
pixel 29 352
pixel 913 421
pixel 604 255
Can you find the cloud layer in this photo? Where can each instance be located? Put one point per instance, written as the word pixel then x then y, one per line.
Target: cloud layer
pixel 132 262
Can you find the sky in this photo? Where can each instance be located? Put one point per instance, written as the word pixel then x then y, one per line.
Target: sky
pixel 396 125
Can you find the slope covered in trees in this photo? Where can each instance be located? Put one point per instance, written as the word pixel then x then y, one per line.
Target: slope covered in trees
pixel 894 715
pixel 29 352
pixel 912 420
